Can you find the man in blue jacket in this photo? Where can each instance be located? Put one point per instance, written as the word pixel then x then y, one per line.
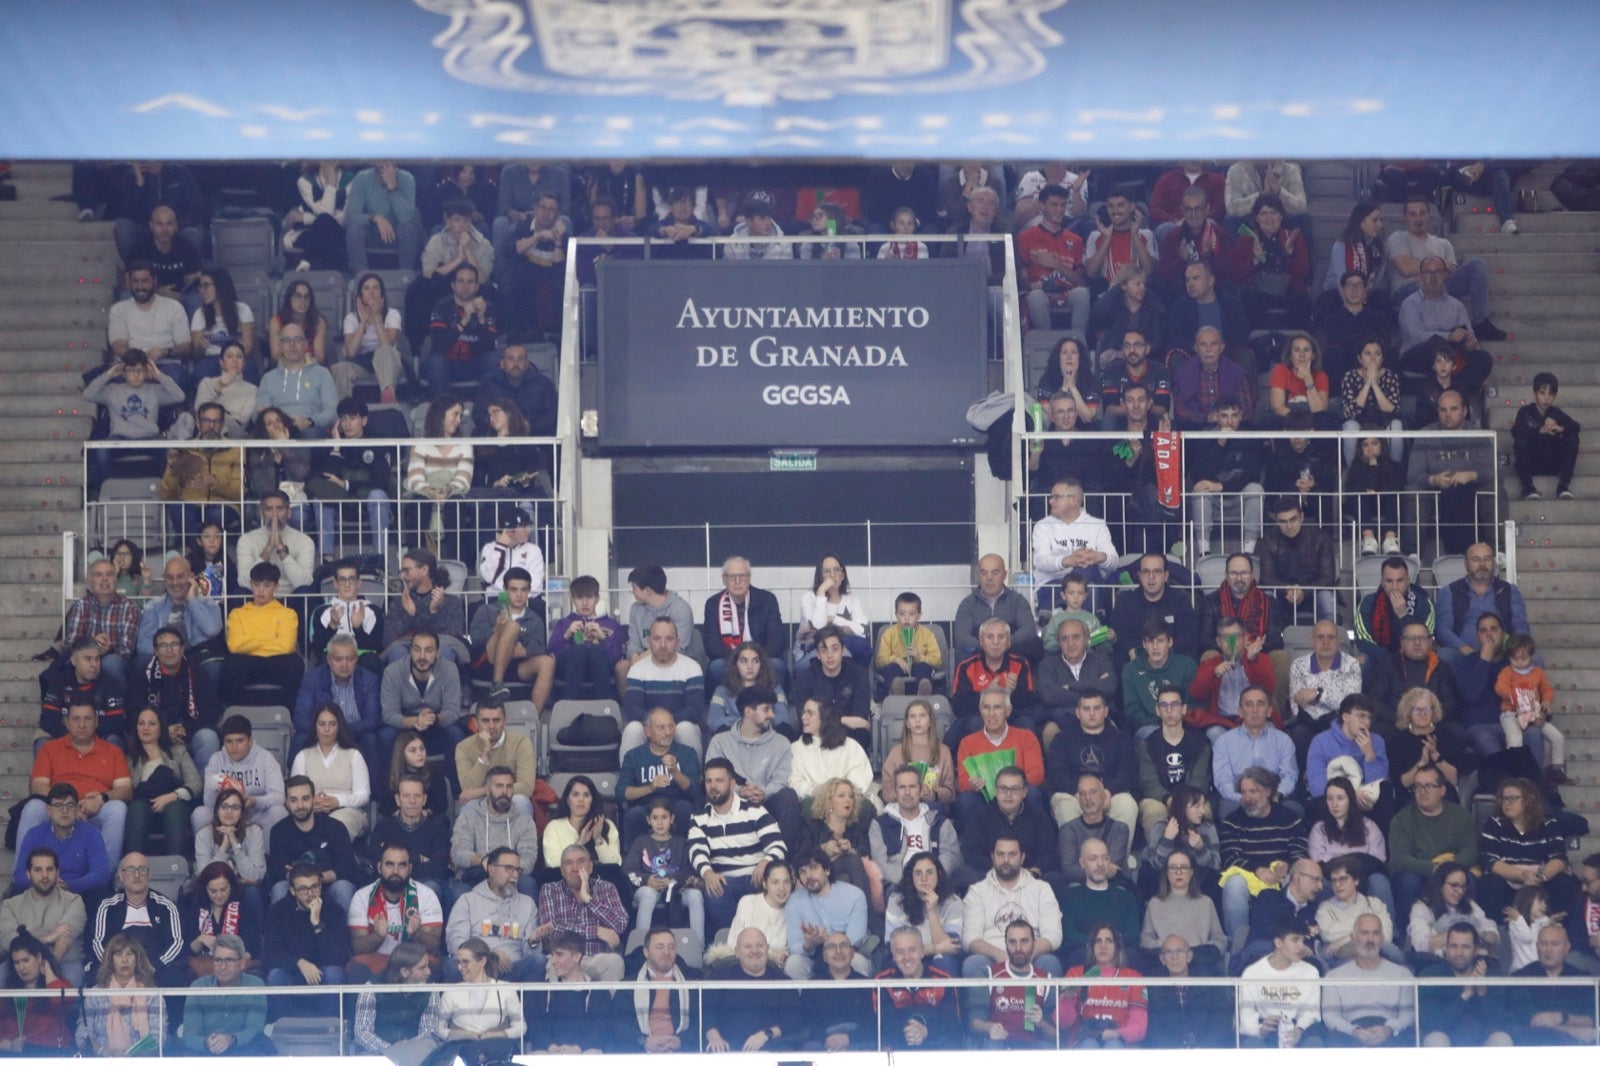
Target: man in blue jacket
pixel 357 694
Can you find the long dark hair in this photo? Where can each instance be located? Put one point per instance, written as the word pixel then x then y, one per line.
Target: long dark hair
pixel 844 575
pixel 163 741
pixel 1433 894
pixel 382 292
pixel 767 678
pixel 343 739
pixel 910 902
pixel 286 308
pixel 1353 834
pixel 397 762
pixel 210 874
pixel 1194 873
pixel 831 733
pixel 1352 226
pixel 26 941
pixel 597 811
pixel 1179 800
pixel 433 424
pixel 216 809
pixel 227 296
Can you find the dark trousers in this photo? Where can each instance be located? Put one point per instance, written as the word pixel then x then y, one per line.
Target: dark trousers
pixel 1556 456
pixel 282 672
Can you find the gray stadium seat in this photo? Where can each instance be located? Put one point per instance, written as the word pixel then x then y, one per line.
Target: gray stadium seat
pixel 891 720
pixel 244 245
pixel 1448 569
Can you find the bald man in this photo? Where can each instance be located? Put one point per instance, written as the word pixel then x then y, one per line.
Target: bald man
pixel 993 599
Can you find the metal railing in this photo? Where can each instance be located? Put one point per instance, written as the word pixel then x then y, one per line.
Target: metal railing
pixel 802 1028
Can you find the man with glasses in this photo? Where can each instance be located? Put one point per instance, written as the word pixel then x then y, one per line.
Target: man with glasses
pixel 341 682
pixel 1069 539
pixel 1408 251
pixel 1417 665
pixel 227 1025
pixel 350 614
pixel 1272 911
pixel 1155 600
pixel 461 332
pixel 96 770
pixel 146 916
pixel 186 608
pixel 77 854
pixel 588 905
pixel 305 939
pixel 1184 1015
pixel 501 916
pixel 1480 591
pixel 204 484
pixel 741 612
pixel 1425 833
pixel 1200 385
pixel 302 389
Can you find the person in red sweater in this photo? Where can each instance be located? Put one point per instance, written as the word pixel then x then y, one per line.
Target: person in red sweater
pixel 1167 197
pixel 1114 1015
pixel 1220 681
pixel 1050 257
pixel 975 784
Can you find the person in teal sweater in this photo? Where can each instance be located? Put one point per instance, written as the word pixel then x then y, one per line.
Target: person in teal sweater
pixel 228 1025
pixel 1154 666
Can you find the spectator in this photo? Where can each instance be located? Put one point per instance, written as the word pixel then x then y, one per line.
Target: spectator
pixel 926 902
pixel 511 639
pixel 217 902
pixel 493 820
pixel 910 827
pixel 845 1018
pixel 765 909
pixel 1006 892
pixel 1247 180
pixel 921 742
pixel 1297 903
pixel 1299 562
pixel 493 745
pixel 1172 757
pixel 1076 672
pixel 310 835
pixel 1583 921
pixel 583 821
pixel 521 184
pixel 502 916
pixel 145 916
pixel 916 1018
pixel 587 905
pixel 1279 999
pixel 1468 598
pixel 1319 682
pixel 262 640
pixel 1069 539
pixel 1092 803
pixel 658 1021
pixel 150 322
pixel 276 541
pixel 122 1019
pixel 77 850
pixel 381 202
pixel 819 907
pixel 1013 1015
pixel 422 694
pixel 761 759
pixel 1120 241
pixel 1371 400
pixel 1522 845
pixel 657 868
pixel 39 1027
pixel 391 911
pixel 1193 237
pixel 47 909
pixel 1346 829
pixel 1409 247
pixel 652 600
pixel 1351 738
pixel 587 646
pixel 1101 897
pixel 525 385
pixel 166 785
pixel 1180 909
pixel 299 306
pixel 174 257
pixel 1338 915
pixel 839 825
pixel 730 842
pixel 1155 598
pixel 1260 839
pixel 400 1025
pixel 1526 695
pixel 840 681
pixel 132 390
pixel 1466 1015
pixel 306 939
pixel 425 605
pixel 458 243
pixel 337 771
pixel 1218 691
pixel 1368 1014
pixel 247 768
pixel 98 774
pixel 424 833
pixel 1443 908
pixel 1091 744
pixel 1417 666
pixel 233 843
pixel 222 319
pixel 143 186
pixel 1271 263
pixel 1358 251
pixel 111 620
pixel 475 1020
pixel 301 389
pixel 353 481
pixel 78 676
pixel 1422 740
pixel 1017 811
pixel 567 1021
pixel 1050 256
pixel 1184 1016
pixel 984 753
pixel 354 692
pixel 1104 1016
pixel 1425 834
pixel 195 619
pixel 993 666
pixel 992 598
pixel 462 330
pixel 665 679
pixel 832 604
pixel 533 268
pixel 1359 316
pixel 1072 372
pixel 1546 441
pixel 1202 384
pixel 1456 468
pixel 751 669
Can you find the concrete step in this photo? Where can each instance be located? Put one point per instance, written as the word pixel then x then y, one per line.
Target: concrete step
pixel 1554 535
pixel 1524 328
pixel 41 189
pixel 63 360
pixel 62 400
pixel 99 256
pixel 64 273
pixel 1540 307
pixel 1533 516
pixel 1513 260
pixel 1520 285
pixel 82 337
pixel 79 323
pixel 65 470
pixel 30 546
pixel 31 171
pixel 1539 226
pixel 1497 245
pixel 1544 584
pixel 29 600
pixel 38 211
pixel 1509 374
pixel 54 230
pixel 50 427
pixel 31 571
pixel 1566 635
pixel 19 299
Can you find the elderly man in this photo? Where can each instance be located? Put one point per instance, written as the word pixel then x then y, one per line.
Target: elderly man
pixel 227 1025
pixel 993 599
pixel 1183 1015
pixel 49 910
pixel 1155 598
pixel 996 746
pixel 78 676
pixel 1357 1010
pixel 1260 838
pixel 1203 382
pixel 739 1021
pixel 1462 602
pixel 96 770
pixel 356 692
pixel 1069 539
pixel 587 905
pixel 1009 891
pixel 993 666
pixel 276 541
pixel 185 607
pixel 1460 470
pixel 107 617
pixel 661 768
pixel 741 612
pixel 1318 683
pixel 1075 670
pixel 1092 822
pixel 1296 905
pixel 917 1018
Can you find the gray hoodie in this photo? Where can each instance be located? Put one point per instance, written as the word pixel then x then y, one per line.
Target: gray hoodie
pixel 478 831
pixel 764 761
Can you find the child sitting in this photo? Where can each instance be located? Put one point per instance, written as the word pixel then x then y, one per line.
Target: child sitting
pixel 1075 600
pixel 132 390
pixel 907 652
pixel 658 867
pixel 511 547
pixel 1528 914
pixel 1525 695
pixel 586 645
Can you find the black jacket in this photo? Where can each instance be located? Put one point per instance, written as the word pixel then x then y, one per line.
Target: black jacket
pixel 765 622
pixel 287 936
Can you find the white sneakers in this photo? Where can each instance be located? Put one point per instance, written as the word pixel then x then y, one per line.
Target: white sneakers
pixel 1369 544
pixel 1391 544
pixel 1509 227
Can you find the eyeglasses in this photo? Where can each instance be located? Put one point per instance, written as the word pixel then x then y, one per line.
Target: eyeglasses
pixel 227 960
pixel 1455 884
pixel 1011 788
pixel 508 868
pixel 291 340
pixel 136 869
pixel 1175 953
pixel 168 645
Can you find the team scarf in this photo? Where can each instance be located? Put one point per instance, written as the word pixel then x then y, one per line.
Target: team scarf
pixel 378 909
pixel 230 921
pixel 1251 611
pixel 1384 618
pixel 1366 256
pixel 155 677
pixel 733 624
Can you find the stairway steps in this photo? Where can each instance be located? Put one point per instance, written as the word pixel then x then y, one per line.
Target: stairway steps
pixel 40 189
pixel 34 211
pixel 101 280
pixel 1496 246
pixel 1541 307
pixel 1565 634
pixel 1559 261
pixel 49 428
pixel 30 546
pixel 1524 285
pixel 54 230
pixel 100 256
pixel 78 338
pixel 1509 374
pixel 63 359
pixel 51 298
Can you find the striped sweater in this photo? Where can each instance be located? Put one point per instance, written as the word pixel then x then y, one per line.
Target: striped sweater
pixel 734 842
pixel 1252 842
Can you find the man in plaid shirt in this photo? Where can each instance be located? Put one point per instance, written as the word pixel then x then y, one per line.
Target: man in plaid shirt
pixel 109 618
pixel 589 906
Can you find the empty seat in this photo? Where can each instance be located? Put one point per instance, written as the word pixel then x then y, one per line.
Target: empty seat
pixel 168 874
pixel 244 245
pixel 1448 569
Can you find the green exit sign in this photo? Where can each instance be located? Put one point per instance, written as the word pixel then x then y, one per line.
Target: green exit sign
pixel 794 461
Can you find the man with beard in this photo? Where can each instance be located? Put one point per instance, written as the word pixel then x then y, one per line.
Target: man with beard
pixel 1013 1015
pixel 308 837
pixel 150 323
pixel 730 843
pixel 1464 1015
pixel 491 821
pixel 203 482
pixel 502 917
pixel 391 911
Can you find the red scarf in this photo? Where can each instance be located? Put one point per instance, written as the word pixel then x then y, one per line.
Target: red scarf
pixel 230 921
pixel 1251 611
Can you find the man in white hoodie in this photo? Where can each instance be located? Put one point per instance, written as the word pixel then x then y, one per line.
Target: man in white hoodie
pixel 1007 893
pixel 910 827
